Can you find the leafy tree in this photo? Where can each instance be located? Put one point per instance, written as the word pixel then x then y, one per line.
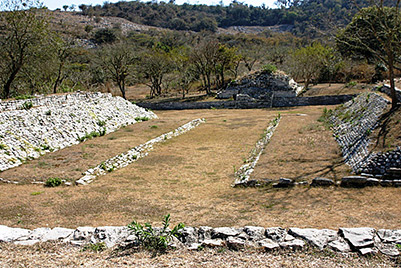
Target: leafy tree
pixel 307 62
pixel 227 60
pixel 185 70
pixel 155 64
pixel 204 58
pixel 375 33
pixel 117 60
pixel 25 30
pixel 65 7
pixel 104 36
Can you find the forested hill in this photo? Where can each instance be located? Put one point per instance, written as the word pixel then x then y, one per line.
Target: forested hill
pixel 309 17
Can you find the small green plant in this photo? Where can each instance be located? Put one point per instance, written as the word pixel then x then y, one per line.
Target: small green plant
pixel 36 193
pixel 2 146
pixel 269 68
pixel 103 166
pixel 398 246
pixel 139 119
pixel 48 112
pixel 101 123
pixel 351 84
pixel 155 240
pixel 96 247
pixel 153 126
pixel 53 182
pixel 45 146
pixel 102 132
pixel 27 105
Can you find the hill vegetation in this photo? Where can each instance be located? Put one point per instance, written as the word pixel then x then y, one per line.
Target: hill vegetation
pixel 61 51
pixel 309 17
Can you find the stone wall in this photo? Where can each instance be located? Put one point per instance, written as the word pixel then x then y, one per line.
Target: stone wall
pixel 353 122
pixel 55 122
pixel 261 85
pixel 249 103
pixel 365 241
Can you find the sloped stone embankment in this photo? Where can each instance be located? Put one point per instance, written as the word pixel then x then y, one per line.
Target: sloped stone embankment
pixel 30 128
pixel 352 124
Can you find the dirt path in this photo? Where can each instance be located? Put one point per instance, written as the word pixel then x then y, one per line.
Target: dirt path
pixel 190 177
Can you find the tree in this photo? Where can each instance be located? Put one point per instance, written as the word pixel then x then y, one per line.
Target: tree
pixel 204 58
pixel 375 33
pixel 25 30
pixel 65 7
pixel 308 62
pixel 117 61
pixel 62 50
pixel 104 36
pixel 185 70
pixel 227 60
pixel 155 63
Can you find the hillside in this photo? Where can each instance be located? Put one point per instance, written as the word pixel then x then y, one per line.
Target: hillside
pixel 309 17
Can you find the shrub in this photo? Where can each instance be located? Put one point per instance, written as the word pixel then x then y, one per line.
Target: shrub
pixel 27 105
pixel 53 182
pixel 155 240
pixel 269 68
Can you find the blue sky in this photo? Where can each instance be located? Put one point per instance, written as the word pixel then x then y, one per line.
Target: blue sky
pixel 53 4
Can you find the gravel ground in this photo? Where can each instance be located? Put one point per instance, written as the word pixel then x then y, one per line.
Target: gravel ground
pixel 63 255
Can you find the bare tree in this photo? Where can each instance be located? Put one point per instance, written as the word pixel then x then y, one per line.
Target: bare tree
pixel 117 61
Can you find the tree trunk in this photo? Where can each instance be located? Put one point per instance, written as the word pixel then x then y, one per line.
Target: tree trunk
pixel 7 85
pixel 394 100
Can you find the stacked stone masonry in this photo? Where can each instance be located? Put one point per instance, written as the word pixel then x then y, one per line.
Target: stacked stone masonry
pixel 261 85
pixel 362 240
pixel 353 122
pixel 243 175
pixel 59 121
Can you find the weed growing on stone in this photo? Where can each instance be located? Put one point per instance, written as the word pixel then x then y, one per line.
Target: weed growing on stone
pixel 27 105
pixel 101 123
pixel 48 112
pixel 2 146
pixel 53 182
pixel 153 239
pixel 96 247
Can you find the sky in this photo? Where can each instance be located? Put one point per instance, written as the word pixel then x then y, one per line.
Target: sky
pixel 53 4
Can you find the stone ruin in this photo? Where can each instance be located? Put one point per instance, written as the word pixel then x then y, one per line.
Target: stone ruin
pixel 261 85
pixel 33 127
pixel 365 241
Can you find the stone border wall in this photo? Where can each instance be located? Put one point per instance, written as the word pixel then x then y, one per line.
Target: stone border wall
pixel 251 104
pixel 124 159
pixel 243 175
pixel 362 240
pixel 59 122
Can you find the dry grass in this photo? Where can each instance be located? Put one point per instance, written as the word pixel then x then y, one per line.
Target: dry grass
pixel 190 177
pixel 56 255
pixel 301 149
